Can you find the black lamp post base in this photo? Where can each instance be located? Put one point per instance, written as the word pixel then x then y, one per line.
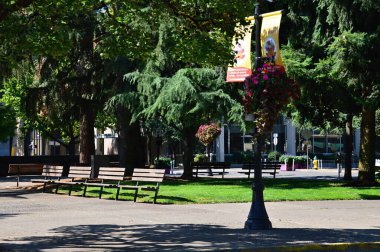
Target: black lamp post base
pixel 258 218
pixel 258 224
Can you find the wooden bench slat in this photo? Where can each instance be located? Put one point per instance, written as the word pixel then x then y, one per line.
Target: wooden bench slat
pixel 77 172
pixel 145 179
pixel 111 177
pixel 24 169
pixel 100 184
pixel 52 174
pixel 142 174
pixel 52 169
pixel 149 171
pixel 80 168
pixel 115 173
pixel 112 169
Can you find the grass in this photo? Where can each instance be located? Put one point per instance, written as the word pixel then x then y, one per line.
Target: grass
pixel 202 191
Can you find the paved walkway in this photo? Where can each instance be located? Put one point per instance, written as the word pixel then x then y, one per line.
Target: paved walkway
pixel 34 221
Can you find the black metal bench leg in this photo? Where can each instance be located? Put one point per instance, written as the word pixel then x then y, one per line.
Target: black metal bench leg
pixel 56 189
pixel 209 172
pixel 100 192
pixel 44 188
pixel 84 191
pixel 136 191
pixel 155 196
pixel 117 193
pixel 70 189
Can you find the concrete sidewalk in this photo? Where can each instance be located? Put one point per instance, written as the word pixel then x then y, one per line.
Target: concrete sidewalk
pixel 34 221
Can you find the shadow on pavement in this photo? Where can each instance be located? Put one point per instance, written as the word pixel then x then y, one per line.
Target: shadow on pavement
pixel 178 237
pixel 19 193
pixel 2 216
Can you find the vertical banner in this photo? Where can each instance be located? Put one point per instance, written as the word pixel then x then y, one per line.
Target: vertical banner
pixel 242 66
pixel 270 45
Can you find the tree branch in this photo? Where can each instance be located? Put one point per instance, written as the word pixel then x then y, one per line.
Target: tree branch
pixel 5 11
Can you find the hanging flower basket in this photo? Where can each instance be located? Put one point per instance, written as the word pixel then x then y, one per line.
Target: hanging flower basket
pixel 266 92
pixel 207 133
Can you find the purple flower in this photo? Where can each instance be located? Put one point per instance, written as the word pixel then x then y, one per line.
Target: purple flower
pixel 265 77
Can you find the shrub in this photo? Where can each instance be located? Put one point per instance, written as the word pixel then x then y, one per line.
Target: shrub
pixel 273 156
pixel 242 157
pixel 164 162
pixel 200 158
pixel 288 159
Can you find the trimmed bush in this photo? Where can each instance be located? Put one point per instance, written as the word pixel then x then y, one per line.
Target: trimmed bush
pixel 273 156
pixel 288 159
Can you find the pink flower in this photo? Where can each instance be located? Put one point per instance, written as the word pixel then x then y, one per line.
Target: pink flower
pixel 265 77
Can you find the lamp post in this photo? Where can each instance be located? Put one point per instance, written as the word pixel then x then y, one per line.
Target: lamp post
pixel 258 218
pixel 257 35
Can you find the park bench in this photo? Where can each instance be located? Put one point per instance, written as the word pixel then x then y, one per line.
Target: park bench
pixel 17 170
pixel 109 177
pixel 51 173
pixel 210 168
pixel 78 175
pixel 144 177
pixel 271 168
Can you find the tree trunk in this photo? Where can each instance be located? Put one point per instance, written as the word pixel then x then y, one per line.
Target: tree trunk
pixel 134 148
pixel 72 147
pixel 87 141
pixel 10 145
pixel 122 125
pixel 27 142
pixel 130 148
pixel 367 147
pixel 348 138
pixel 188 151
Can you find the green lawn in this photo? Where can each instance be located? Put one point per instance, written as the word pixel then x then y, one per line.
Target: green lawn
pixel 202 191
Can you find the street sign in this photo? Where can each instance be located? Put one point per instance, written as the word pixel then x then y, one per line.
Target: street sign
pixel 275 140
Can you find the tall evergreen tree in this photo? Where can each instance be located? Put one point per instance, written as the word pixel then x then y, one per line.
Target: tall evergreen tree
pixel 340 39
pixel 183 97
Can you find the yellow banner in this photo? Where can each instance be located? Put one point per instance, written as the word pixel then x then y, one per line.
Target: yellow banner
pixel 270 45
pixel 242 66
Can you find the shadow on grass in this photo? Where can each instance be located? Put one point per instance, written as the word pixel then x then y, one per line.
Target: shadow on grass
pixel 125 196
pixel 180 237
pixel 284 183
pixel 369 197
